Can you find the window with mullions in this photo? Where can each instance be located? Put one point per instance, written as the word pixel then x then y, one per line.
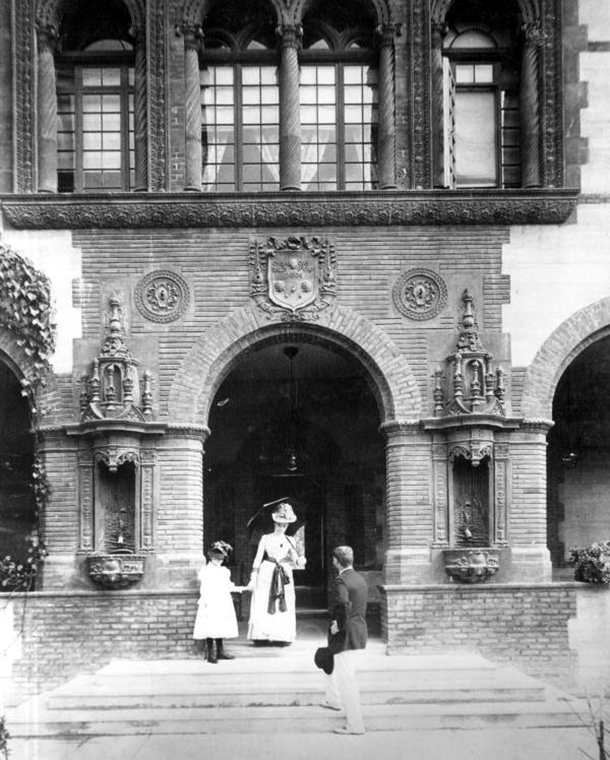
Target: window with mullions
pixel 240 128
pixel 95 127
pixel 338 122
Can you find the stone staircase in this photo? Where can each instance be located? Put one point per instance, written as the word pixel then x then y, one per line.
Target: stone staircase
pixel 128 697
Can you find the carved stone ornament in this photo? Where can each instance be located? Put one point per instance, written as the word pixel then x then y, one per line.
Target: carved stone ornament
pixel 293 278
pixel 240 210
pixel 162 296
pixel 471 565
pixel 420 294
pixel 112 390
pixel 115 571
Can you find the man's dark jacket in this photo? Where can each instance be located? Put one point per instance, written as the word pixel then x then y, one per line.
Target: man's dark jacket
pixel 349 611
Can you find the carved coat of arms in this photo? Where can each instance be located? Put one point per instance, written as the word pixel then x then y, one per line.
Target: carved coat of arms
pixel 293 278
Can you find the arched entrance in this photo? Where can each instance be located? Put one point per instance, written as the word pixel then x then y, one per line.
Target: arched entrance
pixel 296 418
pixel 578 464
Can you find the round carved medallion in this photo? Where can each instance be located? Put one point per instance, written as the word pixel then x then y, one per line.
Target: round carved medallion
pixel 420 294
pixel 162 296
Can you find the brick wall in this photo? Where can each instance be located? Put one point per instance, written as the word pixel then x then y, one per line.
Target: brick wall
pixel 526 626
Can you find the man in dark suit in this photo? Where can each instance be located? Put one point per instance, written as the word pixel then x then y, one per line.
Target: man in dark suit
pixel 347 635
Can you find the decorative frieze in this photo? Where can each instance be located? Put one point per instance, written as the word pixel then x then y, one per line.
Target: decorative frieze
pixel 129 211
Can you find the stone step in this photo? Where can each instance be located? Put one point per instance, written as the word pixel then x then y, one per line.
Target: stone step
pixel 293 719
pixel 193 696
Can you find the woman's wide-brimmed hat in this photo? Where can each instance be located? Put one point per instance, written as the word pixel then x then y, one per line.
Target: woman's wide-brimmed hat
pixel 283 513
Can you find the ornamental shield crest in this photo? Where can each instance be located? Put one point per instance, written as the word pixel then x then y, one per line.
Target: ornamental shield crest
pixel 293 278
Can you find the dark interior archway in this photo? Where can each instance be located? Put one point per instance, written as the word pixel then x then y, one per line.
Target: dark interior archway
pixel 297 420
pixel 17 503
pixel 578 472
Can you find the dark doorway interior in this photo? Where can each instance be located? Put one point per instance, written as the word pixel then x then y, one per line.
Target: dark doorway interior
pixel 578 461
pixel 297 420
pixel 17 503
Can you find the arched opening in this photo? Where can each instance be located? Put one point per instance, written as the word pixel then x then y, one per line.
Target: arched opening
pixel 578 462
pixel 17 503
pixel 298 420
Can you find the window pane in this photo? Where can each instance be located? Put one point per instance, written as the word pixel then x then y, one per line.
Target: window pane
pixel 483 73
pixel 111 77
pixel 475 139
pixel 92 77
pixel 464 73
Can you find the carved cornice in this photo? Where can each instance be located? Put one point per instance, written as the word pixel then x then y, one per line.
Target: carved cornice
pixel 400 428
pixel 390 208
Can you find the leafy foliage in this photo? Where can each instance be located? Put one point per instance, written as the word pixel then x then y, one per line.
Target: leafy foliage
pixel 591 563
pixel 4 737
pixel 26 310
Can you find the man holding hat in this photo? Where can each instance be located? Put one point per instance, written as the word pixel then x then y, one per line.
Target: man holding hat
pixel 347 634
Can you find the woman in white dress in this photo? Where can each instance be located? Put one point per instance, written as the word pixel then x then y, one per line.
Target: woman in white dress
pixel 216 619
pixel 272 609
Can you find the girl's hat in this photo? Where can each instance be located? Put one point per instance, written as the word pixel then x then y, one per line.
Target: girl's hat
pixel 220 549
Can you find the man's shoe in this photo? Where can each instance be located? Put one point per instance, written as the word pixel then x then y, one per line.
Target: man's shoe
pixel 344 730
pixel 225 656
pixel 330 706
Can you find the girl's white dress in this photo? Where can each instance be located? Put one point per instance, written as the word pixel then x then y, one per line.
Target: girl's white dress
pixel 216 617
pixel 276 626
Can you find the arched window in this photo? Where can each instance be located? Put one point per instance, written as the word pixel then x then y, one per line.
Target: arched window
pixel 95 100
pixel 481 97
pixel 339 99
pixel 239 100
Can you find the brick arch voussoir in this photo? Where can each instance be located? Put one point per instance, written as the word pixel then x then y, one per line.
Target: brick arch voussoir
pixel 578 332
pixel 220 348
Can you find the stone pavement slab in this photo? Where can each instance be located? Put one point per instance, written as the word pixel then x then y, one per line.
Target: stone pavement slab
pixel 452 744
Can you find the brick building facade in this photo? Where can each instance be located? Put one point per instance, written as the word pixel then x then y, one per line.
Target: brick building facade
pixel 351 256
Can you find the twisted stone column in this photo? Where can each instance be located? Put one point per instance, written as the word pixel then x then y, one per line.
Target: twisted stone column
pixel 47 110
pixel 290 116
pixel 386 147
pixel 438 117
pixel 530 106
pixel 140 112
pixel 193 36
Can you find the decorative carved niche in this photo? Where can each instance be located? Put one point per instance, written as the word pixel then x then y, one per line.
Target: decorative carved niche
pixel 117 467
pixel 471 456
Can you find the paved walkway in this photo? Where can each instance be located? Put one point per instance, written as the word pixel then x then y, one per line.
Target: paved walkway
pixel 487 744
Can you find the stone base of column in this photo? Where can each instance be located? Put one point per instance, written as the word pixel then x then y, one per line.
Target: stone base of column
pixel 530 564
pixel 408 566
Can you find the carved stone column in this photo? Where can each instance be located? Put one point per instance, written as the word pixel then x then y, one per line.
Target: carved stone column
pixel 438 117
pixel 533 39
pixel 47 110
pixel 193 36
pixel 386 148
pixel 502 493
pixel 408 504
pixel 290 116
pixel 85 500
pixel 441 495
pixel 140 112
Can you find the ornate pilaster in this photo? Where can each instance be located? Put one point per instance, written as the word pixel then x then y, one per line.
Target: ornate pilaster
pixel 193 38
pixel 290 117
pixel 386 148
pixel 441 493
pixel 533 40
pixel 47 110
pixel 438 138
pixel 85 500
pixel 503 488
pixel 148 459
pixel 140 111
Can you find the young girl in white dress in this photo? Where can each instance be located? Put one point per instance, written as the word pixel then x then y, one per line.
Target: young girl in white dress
pixel 216 619
pixel 272 609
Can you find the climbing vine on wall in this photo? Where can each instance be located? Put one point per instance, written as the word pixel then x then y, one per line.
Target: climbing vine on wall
pixel 26 310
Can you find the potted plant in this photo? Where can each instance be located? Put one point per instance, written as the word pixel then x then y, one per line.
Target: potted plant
pixel 591 563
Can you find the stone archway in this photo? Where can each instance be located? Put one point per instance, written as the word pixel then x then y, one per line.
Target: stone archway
pixel 215 353
pixel 581 330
